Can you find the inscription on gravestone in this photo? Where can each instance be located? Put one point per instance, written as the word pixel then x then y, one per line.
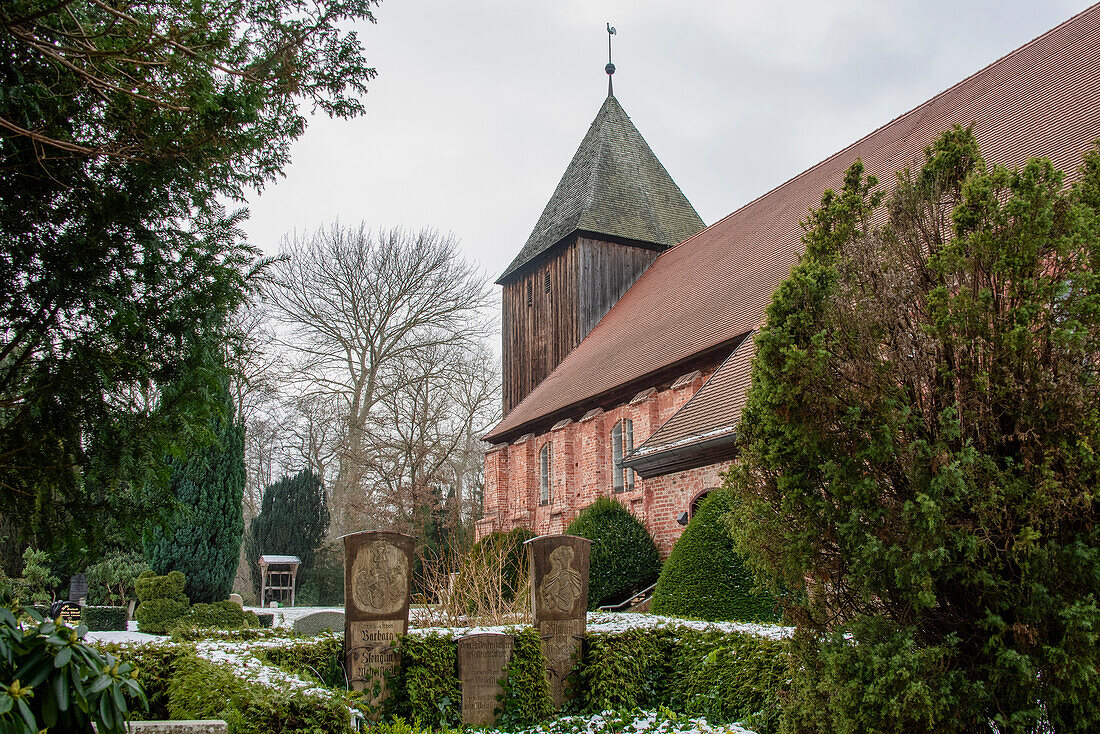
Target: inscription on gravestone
pixel 559 599
pixel 78 587
pixel 68 611
pixel 482 659
pixel 377 579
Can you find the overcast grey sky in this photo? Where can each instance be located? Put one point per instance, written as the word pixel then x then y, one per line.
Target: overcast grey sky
pixel 479 106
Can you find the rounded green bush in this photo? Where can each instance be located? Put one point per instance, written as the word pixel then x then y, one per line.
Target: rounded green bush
pixel 705 577
pixel 162 601
pixel 157 616
pixel 149 586
pixel 623 558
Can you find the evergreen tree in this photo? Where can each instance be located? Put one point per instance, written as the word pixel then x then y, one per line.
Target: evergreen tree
pixel 127 128
pixel 920 459
pixel 293 520
pixel 205 544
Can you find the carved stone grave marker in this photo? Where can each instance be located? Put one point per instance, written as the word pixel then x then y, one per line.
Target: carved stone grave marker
pixel 559 600
pixel 377 579
pixel 78 587
pixel 482 659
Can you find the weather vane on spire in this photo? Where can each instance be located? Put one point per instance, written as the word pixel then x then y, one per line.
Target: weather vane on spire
pixel 610 68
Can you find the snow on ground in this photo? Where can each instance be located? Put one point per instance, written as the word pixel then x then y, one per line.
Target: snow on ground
pixel 285 616
pixel 131 638
pixel 607 622
pixel 640 722
pixel 612 622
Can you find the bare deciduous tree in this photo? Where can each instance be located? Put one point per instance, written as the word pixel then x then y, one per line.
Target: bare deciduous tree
pixel 359 306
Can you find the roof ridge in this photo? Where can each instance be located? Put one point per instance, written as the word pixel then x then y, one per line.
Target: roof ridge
pixel 892 122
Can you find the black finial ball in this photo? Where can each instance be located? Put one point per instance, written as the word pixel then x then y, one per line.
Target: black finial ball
pixel 610 69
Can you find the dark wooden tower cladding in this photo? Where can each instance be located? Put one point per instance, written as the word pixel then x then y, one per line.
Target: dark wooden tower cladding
pixel 614 210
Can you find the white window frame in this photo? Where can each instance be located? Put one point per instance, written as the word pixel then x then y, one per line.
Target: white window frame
pixel 546 473
pixel 622 443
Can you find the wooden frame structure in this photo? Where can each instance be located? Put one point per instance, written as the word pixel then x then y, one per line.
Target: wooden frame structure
pixel 280 579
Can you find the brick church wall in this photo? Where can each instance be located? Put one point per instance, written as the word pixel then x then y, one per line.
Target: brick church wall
pixel 581 471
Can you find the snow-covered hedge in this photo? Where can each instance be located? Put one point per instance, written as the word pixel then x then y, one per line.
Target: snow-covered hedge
pixel 725 671
pixel 237 681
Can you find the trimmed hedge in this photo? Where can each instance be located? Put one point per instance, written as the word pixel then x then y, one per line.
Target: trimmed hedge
pixel 527 696
pixel 623 558
pixel 725 676
pixel 149 586
pixel 157 616
pixel 220 615
pixel 200 689
pixel 102 619
pixel 425 688
pixel 705 577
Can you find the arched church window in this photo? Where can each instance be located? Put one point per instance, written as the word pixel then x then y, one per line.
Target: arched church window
pixel 546 478
pixel 622 443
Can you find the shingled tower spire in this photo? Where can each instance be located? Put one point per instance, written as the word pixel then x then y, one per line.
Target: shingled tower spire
pixel 614 210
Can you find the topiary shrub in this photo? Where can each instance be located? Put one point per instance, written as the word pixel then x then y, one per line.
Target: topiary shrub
pixel 99 619
pixel 705 577
pixel 224 615
pixel 163 602
pixel 623 558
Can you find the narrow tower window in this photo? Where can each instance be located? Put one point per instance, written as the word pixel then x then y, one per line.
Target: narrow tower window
pixel 546 282
pixel 546 457
pixel 622 443
pixel 530 300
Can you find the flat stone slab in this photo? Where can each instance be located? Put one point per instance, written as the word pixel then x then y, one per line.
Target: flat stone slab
pixel 195 726
pixel 482 659
pixel 312 624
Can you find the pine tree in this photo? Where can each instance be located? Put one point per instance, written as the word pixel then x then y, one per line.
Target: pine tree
pixel 293 520
pixel 205 545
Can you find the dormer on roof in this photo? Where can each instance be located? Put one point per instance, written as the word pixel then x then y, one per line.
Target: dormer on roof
pixel 613 211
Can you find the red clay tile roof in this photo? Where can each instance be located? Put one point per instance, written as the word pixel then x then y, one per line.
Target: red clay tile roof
pixel 711 412
pixel 1042 99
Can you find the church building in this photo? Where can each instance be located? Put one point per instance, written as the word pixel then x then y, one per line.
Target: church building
pixel 628 327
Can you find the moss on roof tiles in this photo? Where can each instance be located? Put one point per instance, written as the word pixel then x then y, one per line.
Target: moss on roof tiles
pixel 614 186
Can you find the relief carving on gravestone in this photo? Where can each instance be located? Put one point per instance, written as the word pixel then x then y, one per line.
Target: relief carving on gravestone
pixel 559 596
pixel 377 580
pixel 380 578
pixel 561 587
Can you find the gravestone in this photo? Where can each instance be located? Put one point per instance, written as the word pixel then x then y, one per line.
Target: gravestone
pixel 482 659
pixel 78 587
pixel 237 599
pixel 68 611
pixel 317 622
pixel 377 580
pixel 559 601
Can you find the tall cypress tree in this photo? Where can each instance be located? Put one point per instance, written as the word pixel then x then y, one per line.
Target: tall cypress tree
pixel 206 542
pixel 293 520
